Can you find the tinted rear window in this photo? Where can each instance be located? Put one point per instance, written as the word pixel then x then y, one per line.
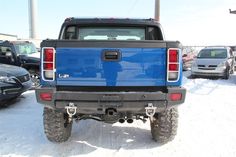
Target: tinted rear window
pixel 112 33
pixel 105 33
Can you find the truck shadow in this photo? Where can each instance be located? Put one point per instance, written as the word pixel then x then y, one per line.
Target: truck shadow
pixel 89 136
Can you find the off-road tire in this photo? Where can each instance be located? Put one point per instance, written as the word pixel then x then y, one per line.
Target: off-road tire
pixel 164 126
pixel 56 126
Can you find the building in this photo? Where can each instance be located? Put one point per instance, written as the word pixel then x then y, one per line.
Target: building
pixel 232 11
pixel 8 37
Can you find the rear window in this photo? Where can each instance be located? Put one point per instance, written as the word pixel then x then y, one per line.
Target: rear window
pixel 105 33
pixel 111 33
pixel 213 53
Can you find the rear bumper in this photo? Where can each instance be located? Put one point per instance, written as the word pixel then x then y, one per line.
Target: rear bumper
pixel 98 102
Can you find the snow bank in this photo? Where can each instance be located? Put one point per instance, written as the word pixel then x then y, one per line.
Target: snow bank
pixel 207 127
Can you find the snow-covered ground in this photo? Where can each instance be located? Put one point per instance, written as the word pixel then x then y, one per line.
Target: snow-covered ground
pixel 207 128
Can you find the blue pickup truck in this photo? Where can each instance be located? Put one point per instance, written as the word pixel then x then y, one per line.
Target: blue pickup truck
pixel 110 70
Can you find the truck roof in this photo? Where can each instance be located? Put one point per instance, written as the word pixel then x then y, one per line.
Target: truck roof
pixel 111 21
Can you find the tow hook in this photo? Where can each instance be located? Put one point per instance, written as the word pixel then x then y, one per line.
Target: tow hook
pixel 150 111
pixel 71 110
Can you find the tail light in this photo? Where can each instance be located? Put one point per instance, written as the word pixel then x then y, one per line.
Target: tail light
pixel 48 63
pixel 173 66
pixel 175 96
pixel 46 96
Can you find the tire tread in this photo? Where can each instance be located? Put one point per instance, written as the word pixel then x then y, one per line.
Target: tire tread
pixel 164 127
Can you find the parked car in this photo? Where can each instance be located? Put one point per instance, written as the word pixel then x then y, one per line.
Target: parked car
pixel 13 82
pixel 187 59
pixel 23 54
pixel 214 61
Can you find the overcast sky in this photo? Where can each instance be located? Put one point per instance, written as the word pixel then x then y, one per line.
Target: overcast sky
pixel 198 22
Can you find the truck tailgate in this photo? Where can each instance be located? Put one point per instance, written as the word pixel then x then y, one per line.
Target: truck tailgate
pixel 93 67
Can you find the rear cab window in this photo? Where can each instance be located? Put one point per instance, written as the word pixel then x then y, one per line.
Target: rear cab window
pixel 112 33
pixel 115 33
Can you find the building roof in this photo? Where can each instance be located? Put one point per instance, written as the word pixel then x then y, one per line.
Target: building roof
pixel 232 11
pixel 8 35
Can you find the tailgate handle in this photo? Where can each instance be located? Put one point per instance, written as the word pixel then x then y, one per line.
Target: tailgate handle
pixel 111 55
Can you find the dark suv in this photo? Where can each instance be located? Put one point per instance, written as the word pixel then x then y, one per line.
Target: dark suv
pixel 13 82
pixel 23 54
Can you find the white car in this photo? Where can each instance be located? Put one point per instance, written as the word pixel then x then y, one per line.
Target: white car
pixel 214 61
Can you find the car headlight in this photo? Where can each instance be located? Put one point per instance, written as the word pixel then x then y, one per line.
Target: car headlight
pixel 222 65
pixel 6 79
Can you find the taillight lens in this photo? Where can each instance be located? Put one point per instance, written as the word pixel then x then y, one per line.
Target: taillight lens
pixel 175 96
pixel 48 63
pixel 173 65
pixel 48 66
pixel 46 96
pixel 172 76
pixel 173 56
pixel 48 55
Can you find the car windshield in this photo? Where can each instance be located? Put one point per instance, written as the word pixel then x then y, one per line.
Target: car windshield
pixel 105 33
pixel 25 48
pixel 212 53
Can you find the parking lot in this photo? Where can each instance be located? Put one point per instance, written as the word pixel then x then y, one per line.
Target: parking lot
pixel 118 78
pixel 207 127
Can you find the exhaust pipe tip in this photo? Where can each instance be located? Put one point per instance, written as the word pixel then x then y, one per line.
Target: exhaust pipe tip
pixel 130 121
pixel 111 112
pixel 121 120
